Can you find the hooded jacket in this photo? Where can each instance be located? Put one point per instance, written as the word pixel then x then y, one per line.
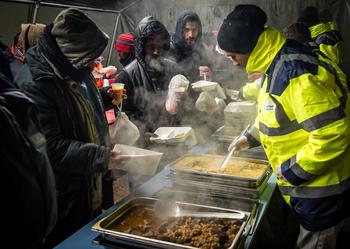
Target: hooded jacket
pixel 329 40
pixel 49 78
pixel 304 127
pixel 189 58
pixel 146 88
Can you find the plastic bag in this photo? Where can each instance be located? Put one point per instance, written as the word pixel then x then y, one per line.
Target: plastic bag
pixel 178 86
pixel 206 103
pixel 123 131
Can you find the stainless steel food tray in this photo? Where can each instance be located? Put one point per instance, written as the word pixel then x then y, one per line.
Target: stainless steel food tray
pixel 112 236
pixel 218 178
pixel 225 134
pixel 218 189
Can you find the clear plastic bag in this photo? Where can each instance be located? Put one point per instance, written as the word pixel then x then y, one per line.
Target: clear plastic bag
pixel 123 131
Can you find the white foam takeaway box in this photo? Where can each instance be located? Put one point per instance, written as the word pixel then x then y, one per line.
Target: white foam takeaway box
pixel 139 161
pixel 204 85
pixel 175 135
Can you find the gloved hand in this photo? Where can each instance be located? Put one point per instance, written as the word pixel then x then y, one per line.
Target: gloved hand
pixel 279 174
pixel 177 91
pixel 240 143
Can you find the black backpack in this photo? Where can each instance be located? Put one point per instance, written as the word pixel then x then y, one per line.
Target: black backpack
pixel 28 184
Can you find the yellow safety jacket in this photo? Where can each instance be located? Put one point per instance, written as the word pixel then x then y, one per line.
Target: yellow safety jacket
pixel 303 124
pixel 329 40
pixel 250 91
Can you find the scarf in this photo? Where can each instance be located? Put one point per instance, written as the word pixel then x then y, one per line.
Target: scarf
pixel 49 48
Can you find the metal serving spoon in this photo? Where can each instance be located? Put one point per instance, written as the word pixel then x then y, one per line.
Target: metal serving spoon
pixel 166 209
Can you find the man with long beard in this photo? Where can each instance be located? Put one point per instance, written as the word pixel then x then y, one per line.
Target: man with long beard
pixel 146 78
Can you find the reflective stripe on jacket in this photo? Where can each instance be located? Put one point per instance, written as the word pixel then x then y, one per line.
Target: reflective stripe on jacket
pixel 329 40
pixel 304 126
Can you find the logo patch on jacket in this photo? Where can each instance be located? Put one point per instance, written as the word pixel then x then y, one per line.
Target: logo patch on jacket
pixel 269 105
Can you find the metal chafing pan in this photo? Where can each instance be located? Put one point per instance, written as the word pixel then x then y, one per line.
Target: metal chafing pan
pixel 217 178
pixel 224 135
pixel 218 189
pixel 104 226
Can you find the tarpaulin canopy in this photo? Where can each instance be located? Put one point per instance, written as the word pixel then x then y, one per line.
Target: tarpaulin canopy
pixel 119 16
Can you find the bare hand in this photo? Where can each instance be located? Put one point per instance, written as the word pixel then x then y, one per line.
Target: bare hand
pixel 205 72
pixel 117 100
pixel 110 71
pixel 240 143
pixel 115 160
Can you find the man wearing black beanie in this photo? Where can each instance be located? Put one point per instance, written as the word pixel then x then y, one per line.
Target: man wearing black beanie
pixel 303 122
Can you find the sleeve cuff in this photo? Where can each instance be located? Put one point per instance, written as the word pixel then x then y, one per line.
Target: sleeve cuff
pixel 101 162
pixel 293 172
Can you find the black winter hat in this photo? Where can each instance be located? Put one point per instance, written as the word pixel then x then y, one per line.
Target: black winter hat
pixel 309 16
pixel 241 29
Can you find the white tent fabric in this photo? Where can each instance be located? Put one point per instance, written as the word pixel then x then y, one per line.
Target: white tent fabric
pixel 280 14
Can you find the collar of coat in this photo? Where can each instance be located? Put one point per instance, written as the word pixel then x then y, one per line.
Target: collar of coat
pixel 269 44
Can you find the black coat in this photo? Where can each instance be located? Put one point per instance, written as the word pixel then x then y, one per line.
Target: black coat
pixel 146 88
pixel 28 184
pixel 75 160
pixel 188 58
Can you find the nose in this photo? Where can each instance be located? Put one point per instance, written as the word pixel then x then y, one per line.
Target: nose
pixel 156 51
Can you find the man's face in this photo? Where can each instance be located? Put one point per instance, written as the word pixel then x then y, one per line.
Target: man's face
pixel 154 48
pixel 190 32
pixel 238 59
pixel 154 53
pixel 123 55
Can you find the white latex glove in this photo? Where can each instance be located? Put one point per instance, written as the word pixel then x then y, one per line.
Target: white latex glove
pixel 206 103
pixel 177 91
pixel 240 143
pixel 279 174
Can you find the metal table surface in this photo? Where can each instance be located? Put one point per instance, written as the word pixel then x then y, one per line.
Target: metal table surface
pixel 82 239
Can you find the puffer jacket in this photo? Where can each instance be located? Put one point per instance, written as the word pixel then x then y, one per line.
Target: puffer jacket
pixel 304 127
pixel 145 87
pixel 329 40
pixel 76 161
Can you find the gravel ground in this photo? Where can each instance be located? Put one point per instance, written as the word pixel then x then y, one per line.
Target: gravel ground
pixel 120 188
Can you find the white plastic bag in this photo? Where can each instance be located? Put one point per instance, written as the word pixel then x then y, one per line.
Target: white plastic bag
pixel 123 131
pixel 178 86
pixel 206 103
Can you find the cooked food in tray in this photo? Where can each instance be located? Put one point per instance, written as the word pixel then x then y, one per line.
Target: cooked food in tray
pixel 195 232
pixel 210 164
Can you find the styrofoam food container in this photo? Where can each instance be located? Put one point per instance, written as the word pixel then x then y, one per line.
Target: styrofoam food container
pixel 171 134
pixel 139 161
pixel 204 85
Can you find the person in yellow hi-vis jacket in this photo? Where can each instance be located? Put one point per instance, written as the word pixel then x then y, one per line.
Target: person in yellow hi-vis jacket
pixel 324 32
pixel 250 91
pixel 303 122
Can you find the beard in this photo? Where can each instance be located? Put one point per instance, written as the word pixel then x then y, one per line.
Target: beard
pixel 126 61
pixel 155 64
